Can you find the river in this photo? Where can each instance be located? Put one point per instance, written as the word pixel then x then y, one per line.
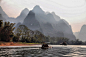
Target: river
pixel 35 51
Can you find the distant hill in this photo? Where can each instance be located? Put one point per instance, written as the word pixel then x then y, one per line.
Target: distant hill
pixel 82 33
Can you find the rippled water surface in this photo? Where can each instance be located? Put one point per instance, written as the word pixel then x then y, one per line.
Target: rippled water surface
pixel 34 51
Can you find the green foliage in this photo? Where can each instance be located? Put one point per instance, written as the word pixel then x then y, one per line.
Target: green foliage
pixel 23 39
pixel 27 35
pixel 6 29
pixel 15 39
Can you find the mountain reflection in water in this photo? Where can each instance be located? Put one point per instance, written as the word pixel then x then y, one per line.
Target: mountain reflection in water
pixel 34 51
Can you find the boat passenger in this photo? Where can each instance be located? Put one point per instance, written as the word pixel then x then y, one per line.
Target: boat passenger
pixel 44 45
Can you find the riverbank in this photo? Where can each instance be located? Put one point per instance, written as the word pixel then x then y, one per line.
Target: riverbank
pixel 17 44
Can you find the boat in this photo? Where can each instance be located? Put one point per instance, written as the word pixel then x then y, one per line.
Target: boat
pixel 44 47
pixel 63 43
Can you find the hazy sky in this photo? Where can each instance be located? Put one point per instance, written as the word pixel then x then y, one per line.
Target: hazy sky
pixel 73 11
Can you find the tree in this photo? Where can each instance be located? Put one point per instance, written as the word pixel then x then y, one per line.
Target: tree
pixel 6 31
pixel 39 36
pixel 22 31
pixel 15 39
pixel 27 35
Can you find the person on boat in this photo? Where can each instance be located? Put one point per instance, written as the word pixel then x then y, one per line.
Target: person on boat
pixel 45 45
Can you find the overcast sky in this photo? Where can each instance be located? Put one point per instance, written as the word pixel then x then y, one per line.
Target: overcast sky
pixel 73 11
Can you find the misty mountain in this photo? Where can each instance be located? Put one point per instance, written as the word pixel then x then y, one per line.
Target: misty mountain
pixel 23 15
pixel 38 10
pixel 48 24
pixel 1 18
pixel 57 18
pixel 48 30
pixel 31 22
pixel 41 16
pixel 63 28
pixel 46 21
pixel 20 18
pixel 3 15
pixel 82 33
pixel 50 18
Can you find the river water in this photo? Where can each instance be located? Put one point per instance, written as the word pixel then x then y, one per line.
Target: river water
pixel 35 51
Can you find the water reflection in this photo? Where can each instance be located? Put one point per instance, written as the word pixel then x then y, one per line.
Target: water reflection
pixel 61 51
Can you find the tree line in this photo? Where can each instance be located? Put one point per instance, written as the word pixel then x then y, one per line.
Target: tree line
pixel 24 34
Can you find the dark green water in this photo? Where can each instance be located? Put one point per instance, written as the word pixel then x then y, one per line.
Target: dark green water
pixel 56 51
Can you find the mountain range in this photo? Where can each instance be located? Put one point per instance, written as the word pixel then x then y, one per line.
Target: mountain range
pixel 47 23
